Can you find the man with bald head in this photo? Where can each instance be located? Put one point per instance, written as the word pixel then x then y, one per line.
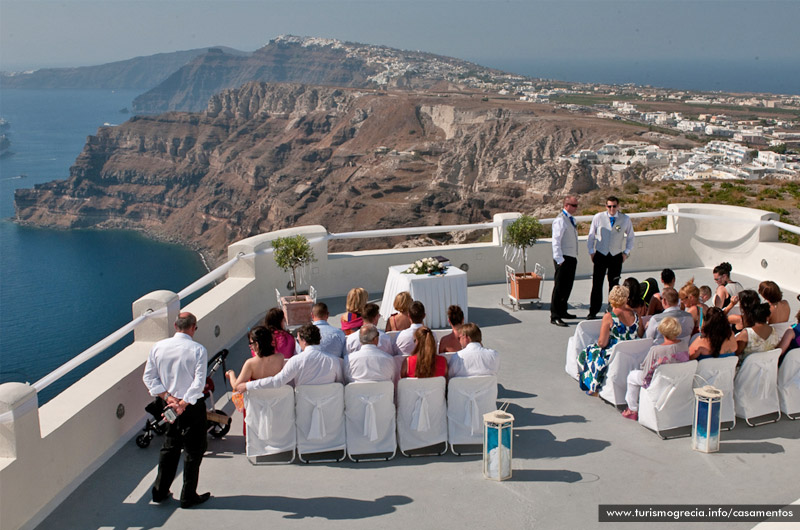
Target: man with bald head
pixel 369 363
pixel 565 260
pixel 176 372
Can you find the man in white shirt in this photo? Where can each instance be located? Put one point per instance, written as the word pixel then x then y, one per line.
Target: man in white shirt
pixel 671 302
pixel 565 259
pixel 405 339
pixel 332 340
pixel 310 367
pixel 610 243
pixel 176 372
pixel 369 363
pixel 372 315
pixel 473 359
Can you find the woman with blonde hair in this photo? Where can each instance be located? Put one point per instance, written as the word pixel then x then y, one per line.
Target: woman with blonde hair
pixel 424 361
pixel 356 300
pixel 621 323
pixel 690 298
pixel 400 320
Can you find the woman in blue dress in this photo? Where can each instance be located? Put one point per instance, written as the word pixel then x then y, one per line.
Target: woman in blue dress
pixel 621 323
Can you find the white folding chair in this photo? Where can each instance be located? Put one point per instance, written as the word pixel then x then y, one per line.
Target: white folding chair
pixel 586 332
pixel 626 355
pixel 720 373
pixel 320 423
pixel 271 437
pixel 667 405
pixel 468 399
pixel 755 392
pixel 421 416
pixel 370 421
pixel 789 384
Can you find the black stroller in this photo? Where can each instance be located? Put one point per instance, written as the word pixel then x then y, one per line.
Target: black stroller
pixel 218 422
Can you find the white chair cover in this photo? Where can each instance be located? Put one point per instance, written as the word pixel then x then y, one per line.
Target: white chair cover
pixel 756 385
pixel 586 332
pixel 421 412
pixel 320 418
pixel 625 356
pixel 668 403
pixel 720 373
pixel 270 421
pixel 468 399
pixel 789 383
pixel 370 418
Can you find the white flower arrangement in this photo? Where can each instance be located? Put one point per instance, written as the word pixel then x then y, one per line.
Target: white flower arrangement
pixel 425 266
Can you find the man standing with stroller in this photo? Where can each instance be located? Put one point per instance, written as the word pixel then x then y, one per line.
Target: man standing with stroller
pixel 176 372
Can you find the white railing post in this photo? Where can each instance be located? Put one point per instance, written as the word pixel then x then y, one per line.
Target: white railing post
pixel 19 420
pixel 498 233
pixel 164 306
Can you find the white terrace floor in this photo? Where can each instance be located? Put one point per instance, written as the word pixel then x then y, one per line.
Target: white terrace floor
pixel 571 453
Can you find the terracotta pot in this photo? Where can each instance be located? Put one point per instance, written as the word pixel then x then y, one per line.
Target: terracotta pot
pixel 297 309
pixel 525 287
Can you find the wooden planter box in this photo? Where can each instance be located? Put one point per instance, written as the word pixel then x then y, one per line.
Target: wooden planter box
pixel 297 309
pixel 525 286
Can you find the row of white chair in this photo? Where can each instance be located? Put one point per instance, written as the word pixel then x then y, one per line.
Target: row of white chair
pixel 325 422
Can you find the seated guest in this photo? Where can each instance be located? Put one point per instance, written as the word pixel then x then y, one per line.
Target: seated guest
pixel 727 289
pixel 424 361
pixel 618 324
pixel 405 339
pixel 368 363
pixel 672 350
pixel 690 298
pixel 670 300
pixel 332 339
pixel 473 358
pixel 667 280
pixel 716 339
pixel 747 300
pixel 791 339
pixel 310 367
pixel 352 319
pixel 759 336
pixel 705 294
pixel 649 288
pixel 281 339
pixel 450 342
pixel 265 362
pixel 779 308
pixel 372 314
pixel 400 320
pixel 635 302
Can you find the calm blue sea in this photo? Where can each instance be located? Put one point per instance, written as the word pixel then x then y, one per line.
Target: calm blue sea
pixel 63 291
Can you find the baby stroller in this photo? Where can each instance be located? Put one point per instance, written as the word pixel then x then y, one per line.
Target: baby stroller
pixel 218 422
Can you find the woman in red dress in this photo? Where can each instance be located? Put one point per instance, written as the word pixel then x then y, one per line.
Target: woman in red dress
pixel 424 361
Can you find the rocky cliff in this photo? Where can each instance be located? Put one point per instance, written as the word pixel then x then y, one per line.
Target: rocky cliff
pixel 269 156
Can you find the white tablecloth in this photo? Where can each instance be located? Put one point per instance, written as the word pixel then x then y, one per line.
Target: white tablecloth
pixel 437 293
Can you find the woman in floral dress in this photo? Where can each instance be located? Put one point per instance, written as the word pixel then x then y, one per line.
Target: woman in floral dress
pixel 621 323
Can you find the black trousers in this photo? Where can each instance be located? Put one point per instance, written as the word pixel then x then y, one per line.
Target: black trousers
pixel 190 435
pixel 604 264
pixel 563 279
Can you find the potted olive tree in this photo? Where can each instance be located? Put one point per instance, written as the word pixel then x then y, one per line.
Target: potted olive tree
pixel 292 253
pixel 521 234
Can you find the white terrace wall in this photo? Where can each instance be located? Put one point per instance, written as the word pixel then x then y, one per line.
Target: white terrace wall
pixel 79 429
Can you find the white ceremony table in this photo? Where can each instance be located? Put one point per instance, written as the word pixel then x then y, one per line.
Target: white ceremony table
pixel 437 293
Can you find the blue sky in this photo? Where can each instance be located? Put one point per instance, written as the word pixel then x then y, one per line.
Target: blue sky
pixel 76 32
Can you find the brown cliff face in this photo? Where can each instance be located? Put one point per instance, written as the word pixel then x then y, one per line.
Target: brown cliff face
pixel 266 156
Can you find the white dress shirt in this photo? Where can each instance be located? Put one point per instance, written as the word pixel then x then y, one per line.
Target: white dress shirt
pixel 405 339
pixel 311 367
pixel 605 239
pixel 385 343
pixel 565 238
pixel 685 319
pixel 332 340
pixel 177 365
pixel 474 360
pixel 369 363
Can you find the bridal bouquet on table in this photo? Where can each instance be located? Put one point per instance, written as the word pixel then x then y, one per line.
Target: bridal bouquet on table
pixel 426 266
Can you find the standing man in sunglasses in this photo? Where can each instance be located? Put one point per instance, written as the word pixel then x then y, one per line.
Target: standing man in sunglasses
pixel 610 243
pixel 565 258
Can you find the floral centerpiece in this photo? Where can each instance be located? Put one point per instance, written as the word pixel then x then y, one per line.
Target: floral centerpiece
pixel 426 266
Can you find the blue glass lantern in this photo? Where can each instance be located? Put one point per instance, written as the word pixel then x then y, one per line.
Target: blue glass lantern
pixel 497 442
pixel 705 424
